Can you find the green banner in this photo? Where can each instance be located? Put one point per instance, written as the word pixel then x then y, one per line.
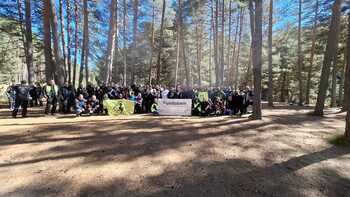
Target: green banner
pixel 119 107
pixel 203 96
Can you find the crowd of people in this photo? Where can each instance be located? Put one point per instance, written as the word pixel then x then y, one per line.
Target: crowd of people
pixel 89 99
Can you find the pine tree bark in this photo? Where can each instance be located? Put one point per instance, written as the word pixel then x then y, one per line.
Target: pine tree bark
pixel 135 30
pixel 342 82
pixel 29 42
pixel 300 59
pixel 49 64
pixel 334 82
pixel 237 82
pixel 69 43
pixel 347 84
pixel 216 58
pixel 59 66
pixel 183 47
pixel 76 40
pixel 27 37
pixel 82 59
pixel 124 40
pixel 229 44
pixel 63 42
pixel 198 29
pixel 86 40
pixel 233 66
pixel 346 99
pixel 257 58
pixel 331 49
pixel 115 73
pixel 210 57
pixel 213 28
pixel 222 59
pixel 312 55
pixel 111 43
pixel 160 43
pixel 152 47
pixel 178 28
pixel 250 64
pixel 270 90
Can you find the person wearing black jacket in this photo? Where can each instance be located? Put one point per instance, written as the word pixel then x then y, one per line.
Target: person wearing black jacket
pixel 33 94
pixel 81 90
pixel 65 95
pixel 22 98
pixel 91 90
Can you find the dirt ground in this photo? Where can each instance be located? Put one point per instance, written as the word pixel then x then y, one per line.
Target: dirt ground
pixel 285 154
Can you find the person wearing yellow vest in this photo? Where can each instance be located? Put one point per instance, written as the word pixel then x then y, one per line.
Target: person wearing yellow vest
pixel 51 95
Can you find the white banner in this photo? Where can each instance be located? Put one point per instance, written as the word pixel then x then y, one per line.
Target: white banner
pixel 175 107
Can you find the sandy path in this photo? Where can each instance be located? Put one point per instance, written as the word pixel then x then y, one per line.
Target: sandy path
pixel 285 154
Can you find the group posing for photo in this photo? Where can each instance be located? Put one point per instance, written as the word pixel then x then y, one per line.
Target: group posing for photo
pixel 89 100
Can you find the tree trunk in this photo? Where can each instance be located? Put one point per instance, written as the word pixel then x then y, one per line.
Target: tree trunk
pixel 257 58
pixel 124 40
pixel 229 43
pixel 86 39
pixel 76 40
pixel 210 57
pixel 111 43
pixel 222 61
pixel 250 64
pixel 198 48
pixel 115 73
pixel 233 68
pixel 63 42
pixel 238 49
pixel 160 43
pixel 270 90
pixel 346 99
pixel 136 10
pixel 152 47
pixel 200 56
pixel 347 129
pixel 83 54
pixel 313 45
pixel 334 82
pixel 49 64
pixel 59 68
pixel 347 84
pixel 178 28
pixel 283 85
pixel 27 37
pixel 213 35
pixel 29 42
pixel 183 47
pixel 217 70
pixel 342 81
pixel 300 58
pixel 331 49
pixel 23 31
pixel 69 44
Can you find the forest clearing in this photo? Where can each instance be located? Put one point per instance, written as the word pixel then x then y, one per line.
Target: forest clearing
pixel 175 98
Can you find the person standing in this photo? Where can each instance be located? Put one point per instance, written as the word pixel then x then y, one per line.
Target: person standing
pixel 11 95
pixel 64 94
pixel 51 95
pixel 21 99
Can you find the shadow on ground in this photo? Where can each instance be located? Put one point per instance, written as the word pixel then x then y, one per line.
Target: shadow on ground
pixel 102 142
